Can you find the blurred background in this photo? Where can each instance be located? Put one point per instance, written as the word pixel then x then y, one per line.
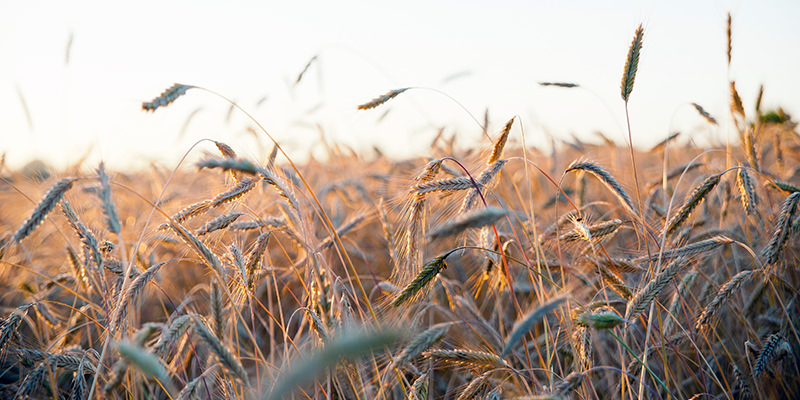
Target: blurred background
pixel 73 75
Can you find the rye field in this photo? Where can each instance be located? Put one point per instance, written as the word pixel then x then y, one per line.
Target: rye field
pixel 497 271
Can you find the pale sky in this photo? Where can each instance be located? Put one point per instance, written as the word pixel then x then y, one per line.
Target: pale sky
pixel 482 53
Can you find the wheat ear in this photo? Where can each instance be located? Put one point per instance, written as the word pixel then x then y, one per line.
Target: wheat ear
pixel 467 357
pixel 724 293
pixel 428 273
pixel 782 229
pixel 420 343
pixel 49 200
pixel 166 97
pixel 500 143
pixel 109 209
pixel 472 219
pixel 747 191
pixel 567 85
pixel 694 199
pixel 610 182
pixel 382 99
pixel 703 113
pixel 527 322
pixel 223 354
pixel 631 64
pixel 644 297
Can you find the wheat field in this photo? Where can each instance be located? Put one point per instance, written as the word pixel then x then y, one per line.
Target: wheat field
pixel 491 272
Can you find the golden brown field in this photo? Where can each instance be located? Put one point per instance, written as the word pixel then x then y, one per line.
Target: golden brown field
pixel 489 272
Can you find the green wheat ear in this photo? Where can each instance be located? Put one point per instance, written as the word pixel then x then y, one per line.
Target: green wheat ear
pixel 632 64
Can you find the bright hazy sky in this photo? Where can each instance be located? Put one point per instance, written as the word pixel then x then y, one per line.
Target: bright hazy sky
pixel 482 53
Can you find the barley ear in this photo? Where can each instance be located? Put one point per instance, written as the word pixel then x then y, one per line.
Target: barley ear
pixel 632 63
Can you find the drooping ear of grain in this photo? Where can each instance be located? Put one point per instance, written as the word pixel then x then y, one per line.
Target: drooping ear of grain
pixel 610 182
pixel 642 299
pixel 632 63
pixel 166 97
pixel 382 99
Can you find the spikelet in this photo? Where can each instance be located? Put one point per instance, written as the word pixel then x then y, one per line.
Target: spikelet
pixel 49 200
pixel 632 64
pixel 703 113
pixel 692 201
pixel 166 97
pixel 500 143
pixel 382 99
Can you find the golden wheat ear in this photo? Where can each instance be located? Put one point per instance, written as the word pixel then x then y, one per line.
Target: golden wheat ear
pixel 166 97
